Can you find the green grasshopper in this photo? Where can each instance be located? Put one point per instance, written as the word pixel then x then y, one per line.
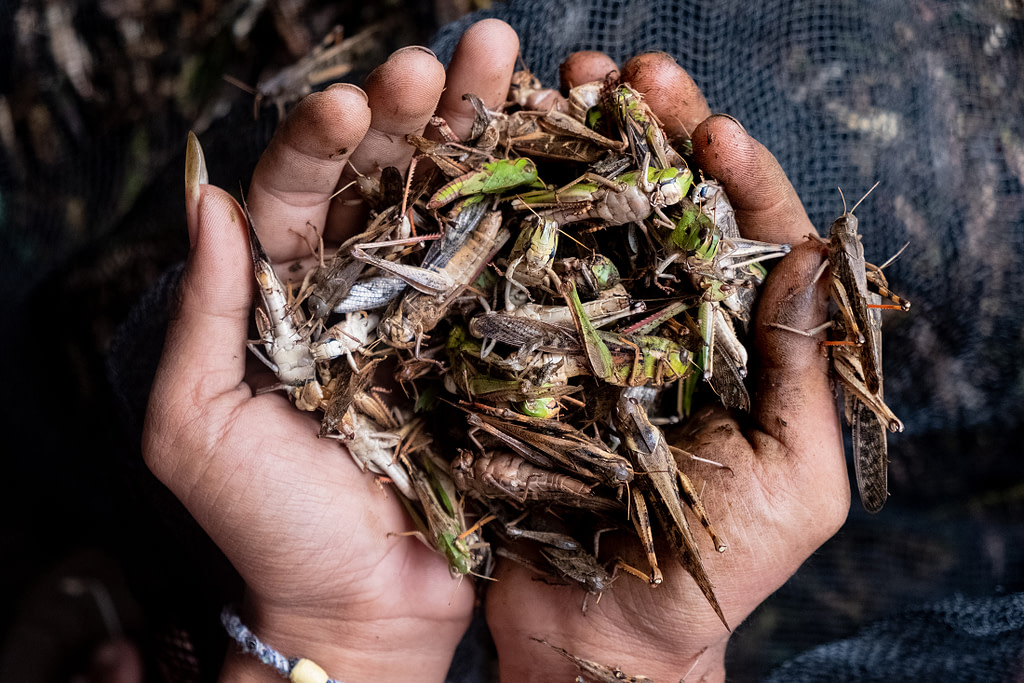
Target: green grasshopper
pixel 493 177
pixel 535 391
pixel 622 360
pixel 592 274
pixel 532 400
pixel 442 525
pixel 724 268
pixel 530 261
pixel 717 265
pixel 630 197
pixel 643 131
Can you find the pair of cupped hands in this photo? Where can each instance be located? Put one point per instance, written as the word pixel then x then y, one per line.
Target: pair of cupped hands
pixel 313 536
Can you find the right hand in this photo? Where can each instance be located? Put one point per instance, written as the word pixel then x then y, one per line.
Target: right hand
pixel 305 528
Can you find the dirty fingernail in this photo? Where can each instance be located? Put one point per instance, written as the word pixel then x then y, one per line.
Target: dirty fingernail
pixel 660 53
pixel 351 88
pixel 731 118
pixel 413 48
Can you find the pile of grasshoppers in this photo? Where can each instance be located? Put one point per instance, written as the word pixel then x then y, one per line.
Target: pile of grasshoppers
pixel 547 292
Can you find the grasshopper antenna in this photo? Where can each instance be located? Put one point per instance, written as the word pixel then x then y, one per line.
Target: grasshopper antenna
pixel 859 200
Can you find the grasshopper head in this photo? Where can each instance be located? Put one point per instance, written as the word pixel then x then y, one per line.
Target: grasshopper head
pixel 672 184
pixel 844 226
pixel 545 407
pixel 527 168
pixel 460 561
pixel 399 332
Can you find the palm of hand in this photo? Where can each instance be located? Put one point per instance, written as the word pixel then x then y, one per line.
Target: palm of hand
pixel 341 525
pixel 769 535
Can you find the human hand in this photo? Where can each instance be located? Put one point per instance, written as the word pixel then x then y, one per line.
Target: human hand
pixel 305 528
pixel 785 491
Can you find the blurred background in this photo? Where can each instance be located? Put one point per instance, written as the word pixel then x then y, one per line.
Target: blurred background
pixel 96 98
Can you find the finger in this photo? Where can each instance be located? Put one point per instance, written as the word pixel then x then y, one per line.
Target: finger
pixel 585 66
pixel 482 64
pixel 215 297
pixel 767 207
pixel 297 174
pixel 669 91
pixel 403 93
pixel 203 356
pixel 794 402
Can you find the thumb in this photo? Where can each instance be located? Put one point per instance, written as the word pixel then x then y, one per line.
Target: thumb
pixel 794 404
pixel 204 351
pixel 206 338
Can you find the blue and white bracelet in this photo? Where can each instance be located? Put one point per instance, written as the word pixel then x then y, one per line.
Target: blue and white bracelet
pixel 296 669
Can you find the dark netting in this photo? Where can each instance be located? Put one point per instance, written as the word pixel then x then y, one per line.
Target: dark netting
pixel 926 99
pixel 923 97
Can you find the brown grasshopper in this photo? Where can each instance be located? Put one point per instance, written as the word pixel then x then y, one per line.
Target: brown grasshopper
pixel 538 134
pixel 849 289
pixel 867 414
pixel 591 671
pixel 412 317
pixel 576 564
pixel 504 474
pixel 332 59
pixel 857 288
pixel 857 358
pixel 550 443
pixel 667 488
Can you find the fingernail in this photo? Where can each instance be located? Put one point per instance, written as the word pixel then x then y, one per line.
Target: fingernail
pixel 412 48
pixel 351 88
pixel 731 118
pixel 196 176
pixel 661 53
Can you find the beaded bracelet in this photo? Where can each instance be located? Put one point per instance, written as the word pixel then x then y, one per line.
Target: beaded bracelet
pixel 296 669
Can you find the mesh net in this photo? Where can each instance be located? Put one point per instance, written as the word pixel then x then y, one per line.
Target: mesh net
pixel 923 97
